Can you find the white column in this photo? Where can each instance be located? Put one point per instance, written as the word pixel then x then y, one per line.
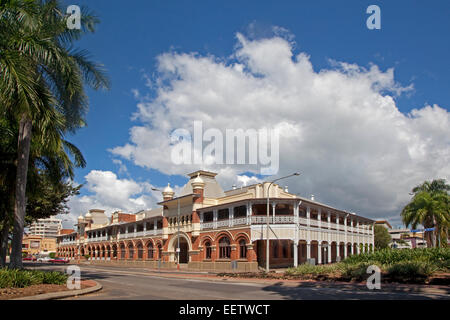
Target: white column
pixel 373 236
pixel 274 205
pixel 135 229
pixel 155 227
pixel 319 253
pixel 329 236
pixel 230 216
pixel 296 234
pixel 215 218
pixel 308 224
pixel 345 237
pixel 358 250
pixel 249 212
pixel 319 246
pixel 308 249
pixel 338 241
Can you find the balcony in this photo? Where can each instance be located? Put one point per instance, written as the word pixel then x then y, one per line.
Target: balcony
pixel 277 220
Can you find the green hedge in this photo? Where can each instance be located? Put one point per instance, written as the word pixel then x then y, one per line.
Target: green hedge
pixel 10 278
pixel 439 257
pixel 405 265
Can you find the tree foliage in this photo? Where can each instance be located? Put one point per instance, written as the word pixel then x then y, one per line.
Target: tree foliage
pixel 429 207
pixel 382 238
pixel 42 99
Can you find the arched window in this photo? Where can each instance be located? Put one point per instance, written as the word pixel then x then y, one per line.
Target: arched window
pixel 224 248
pixel 140 250
pixel 159 251
pixel 208 250
pixel 150 250
pixel 122 251
pixel 130 251
pixel 242 249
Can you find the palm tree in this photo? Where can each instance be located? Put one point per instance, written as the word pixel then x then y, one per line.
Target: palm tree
pixel 49 169
pixel 430 208
pixel 42 85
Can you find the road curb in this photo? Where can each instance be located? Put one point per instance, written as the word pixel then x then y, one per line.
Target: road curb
pixel 63 294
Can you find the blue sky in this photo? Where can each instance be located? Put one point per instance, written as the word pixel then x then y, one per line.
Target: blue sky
pixel 413 40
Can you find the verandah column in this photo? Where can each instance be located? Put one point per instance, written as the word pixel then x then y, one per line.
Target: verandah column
pixel 319 240
pixel 308 233
pixel 249 212
pixel 308 249
pixel 295 248
pixel 329 236
pixel 345 237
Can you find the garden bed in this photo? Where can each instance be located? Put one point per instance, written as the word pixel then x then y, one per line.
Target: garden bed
pixel 23 283
pixel 417 266
pixel 13 293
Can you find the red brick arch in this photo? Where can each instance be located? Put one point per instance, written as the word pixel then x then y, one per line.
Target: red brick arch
pixel 242 235
pixel 222 234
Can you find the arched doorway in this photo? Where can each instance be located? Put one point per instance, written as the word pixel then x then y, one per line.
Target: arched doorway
pixel 184 251
pixel 184 244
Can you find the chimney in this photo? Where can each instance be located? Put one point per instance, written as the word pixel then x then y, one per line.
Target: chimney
pixel 312 197
pixel 234 187
pixel 286 189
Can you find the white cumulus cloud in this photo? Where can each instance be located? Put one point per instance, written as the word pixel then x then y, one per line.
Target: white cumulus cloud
pixel 106 191
pixel 340 126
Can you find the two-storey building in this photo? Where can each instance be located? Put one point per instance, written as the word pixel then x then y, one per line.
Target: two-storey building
pixel 208 228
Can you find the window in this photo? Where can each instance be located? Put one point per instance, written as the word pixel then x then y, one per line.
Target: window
pixel 240 212
pixel 140 251
pixel 242 249
pixel 285 249
pixel 130 252
pixel 223 214
pixel 150 251
pixel 208 250
pixel 224 248
pixel 275 249
pixel 208 216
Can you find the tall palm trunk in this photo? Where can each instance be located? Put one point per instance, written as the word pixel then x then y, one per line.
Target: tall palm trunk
pixel 4 242
pixel 23 154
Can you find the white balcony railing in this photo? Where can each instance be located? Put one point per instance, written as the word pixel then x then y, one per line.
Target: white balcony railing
pixel 207 225
pixel 223 223
pixel 277 220
pixel 239 221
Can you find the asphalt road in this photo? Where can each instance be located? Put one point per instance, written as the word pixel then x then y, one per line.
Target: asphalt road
pixel 142 284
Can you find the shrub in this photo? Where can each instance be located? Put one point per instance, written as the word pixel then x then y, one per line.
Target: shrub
pixel 312 270
pixel 411 271
pixel 13 278
pixel 437 256
pixel 357 271
pixel 54 278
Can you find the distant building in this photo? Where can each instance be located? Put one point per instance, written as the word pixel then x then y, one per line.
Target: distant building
pixel 46 228
pixel 384 223
pixel 32 244
pixel 403 238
